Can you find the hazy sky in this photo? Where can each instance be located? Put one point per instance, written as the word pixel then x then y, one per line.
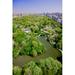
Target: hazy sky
pixel 37 6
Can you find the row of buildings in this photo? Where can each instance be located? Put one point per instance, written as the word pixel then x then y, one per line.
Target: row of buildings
pixel 55 16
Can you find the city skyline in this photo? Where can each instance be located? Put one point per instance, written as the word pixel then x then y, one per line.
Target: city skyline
pixel 37 6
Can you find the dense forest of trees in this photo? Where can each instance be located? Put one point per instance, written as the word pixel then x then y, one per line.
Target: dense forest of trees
pixel 47 66
pixel 26 33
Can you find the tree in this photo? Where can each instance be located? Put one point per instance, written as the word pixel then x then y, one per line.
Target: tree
pixel 49 66
pixel 17 70
pixel 32 69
